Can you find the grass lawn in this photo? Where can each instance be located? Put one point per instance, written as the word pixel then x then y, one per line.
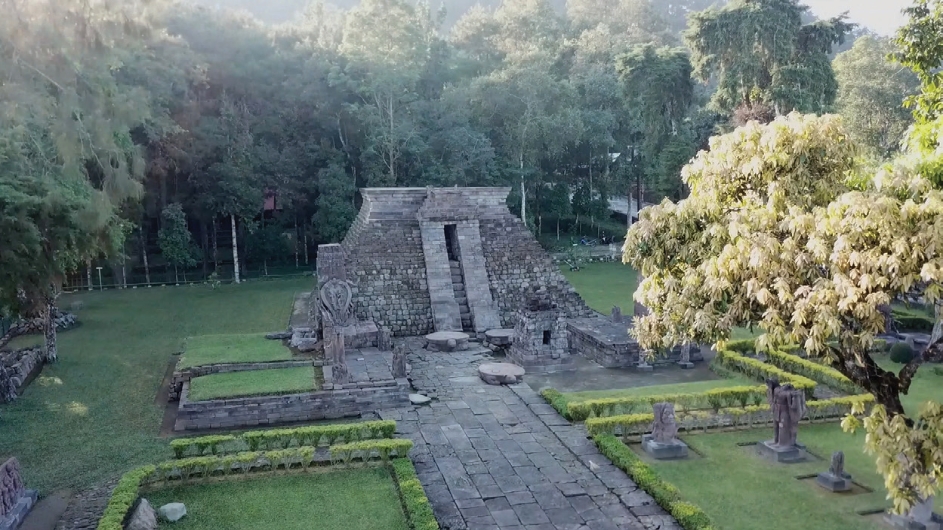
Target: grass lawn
pixel 218 349
pixel 679 388
pixel 93 415
pixel 741 491
pixel 278 381
pixel 603 285
pixel 352 499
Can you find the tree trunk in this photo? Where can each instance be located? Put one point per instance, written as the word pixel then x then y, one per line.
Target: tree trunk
pixel 523 192
pixel 51 351
pixel 235 250
pixel 215 248
pixel 176 276
pixel 206 249
pixel 147 268
pixel 305 230
pixel 88 274
pixel 297 263
pixel 558 228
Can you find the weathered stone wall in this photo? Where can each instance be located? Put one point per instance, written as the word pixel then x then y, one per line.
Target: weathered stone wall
pixel 352 400
pixel 21 365
pixel 528 347
pixel 387 266
pixel 605 353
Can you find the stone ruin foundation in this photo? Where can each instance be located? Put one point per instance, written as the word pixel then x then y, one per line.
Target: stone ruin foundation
pixel 540 336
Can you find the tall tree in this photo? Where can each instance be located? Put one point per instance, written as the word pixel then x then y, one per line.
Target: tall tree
pixel 175 240
pixel 871 88
pixel 921 49
pixel 787 65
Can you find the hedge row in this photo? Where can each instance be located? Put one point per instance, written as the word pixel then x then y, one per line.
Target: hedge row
pixel 283 438
pixel 715 399
pixel 128 488
pixel 815 371
pixel 762 371
pixel 740 417
pixel 416 504
pixel 123 497
pixel 556 400
pixel 385 448
pixel 912 321
pixel 689 516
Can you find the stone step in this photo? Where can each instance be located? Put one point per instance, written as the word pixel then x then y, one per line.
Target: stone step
pixel 462 301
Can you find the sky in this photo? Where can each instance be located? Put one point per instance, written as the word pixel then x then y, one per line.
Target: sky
pixel 882 16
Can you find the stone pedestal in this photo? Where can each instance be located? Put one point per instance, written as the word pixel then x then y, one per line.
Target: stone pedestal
pixel 664 451
pixel 921 517
pixel 501 373
pixel 499 337
pixel 644 367
pixel 780 453
pixel 447 341
pixel 686 365
pixel 833 482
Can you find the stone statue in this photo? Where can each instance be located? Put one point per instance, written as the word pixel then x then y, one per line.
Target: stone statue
pixel 336 303
pixel 399 361
pixel 664 428
pixel 334 351
pixel 616 315
pixel 384 339
pixel 837 467
pixel 788 407
pixel 11 486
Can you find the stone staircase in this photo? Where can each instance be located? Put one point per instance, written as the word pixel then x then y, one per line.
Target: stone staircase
pixel 458 285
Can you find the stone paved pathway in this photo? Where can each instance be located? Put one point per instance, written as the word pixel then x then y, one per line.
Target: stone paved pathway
pixel 501 458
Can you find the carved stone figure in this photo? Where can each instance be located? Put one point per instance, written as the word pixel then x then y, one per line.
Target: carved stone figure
pixel 335 303
pixel 384 340
pixel 334 351
pixel 616 315
pixel 837 467
pixel 788 407
pixel 664 428
pixel 399 361
pixel 663 442
pixel 835 479
pixel 11 486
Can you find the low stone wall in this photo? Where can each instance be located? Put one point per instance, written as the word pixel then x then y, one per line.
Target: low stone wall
pixel 595 347
pixel 21 366
pixel 184 376
pixel 346 401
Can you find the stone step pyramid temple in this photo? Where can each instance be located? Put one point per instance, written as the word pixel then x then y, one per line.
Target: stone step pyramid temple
pixel 422 260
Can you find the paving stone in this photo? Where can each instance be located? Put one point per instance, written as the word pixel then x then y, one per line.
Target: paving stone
pixel 520 497
pixel 564 516
pixel 551 499
pixel 490 492
pixel 571 489
pixel 510 484
pixel 518 459
pixel 498 504
pixel 651 509
pixel 531 514
pixel 531 475
pixel 476 511
pixel 506 518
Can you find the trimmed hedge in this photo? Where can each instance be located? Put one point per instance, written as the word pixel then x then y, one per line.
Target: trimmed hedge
pixel 715 399
pixel 284 438
pixel 123 497
pixel 556 400
pixel 385 448
pixel 760 370
pixel 688 515
pixel 912 321
pixel 902 353
pixel 415 503
pixel 815 371
pixel 204 466
pixel 744 417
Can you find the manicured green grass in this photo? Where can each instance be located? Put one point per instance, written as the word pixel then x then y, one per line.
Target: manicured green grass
pixel 603 285
pixel 741 491
pixel 275 382
pixel 218 349
pixel 94 415
pixel 351 499
pixel 679 388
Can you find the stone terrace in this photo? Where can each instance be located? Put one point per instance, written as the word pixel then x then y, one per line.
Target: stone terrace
pixel 501 458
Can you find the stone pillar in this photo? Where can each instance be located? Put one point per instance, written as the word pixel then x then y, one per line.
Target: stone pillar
pixel 616 315
pixel 384 340
pixel 335 353
pixel 540 339
pixel 332 264
pixel 484 311
pixel 399 362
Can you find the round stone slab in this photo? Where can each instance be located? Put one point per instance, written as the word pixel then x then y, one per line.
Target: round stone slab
pixel 501 373
pixel 447 341
pixel 500 337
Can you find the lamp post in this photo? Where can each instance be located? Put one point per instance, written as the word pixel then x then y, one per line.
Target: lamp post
pixel 100 286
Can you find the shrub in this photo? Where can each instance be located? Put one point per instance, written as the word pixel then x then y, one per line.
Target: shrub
pixel 822 374
pixel 689 516
pixel 741 346
pixel 913 321
pixel 205 466
pixel 762 371
pixel 123 497
pixel 556 400
pixel 386 448
pixel 902 353
pixel 284 438
pixel 415 503
pixel 714 399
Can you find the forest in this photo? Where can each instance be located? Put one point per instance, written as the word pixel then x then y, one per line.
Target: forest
pixel 167 142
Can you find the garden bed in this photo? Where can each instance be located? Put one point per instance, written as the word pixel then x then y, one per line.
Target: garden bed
pixel 275 382
pixel 341 499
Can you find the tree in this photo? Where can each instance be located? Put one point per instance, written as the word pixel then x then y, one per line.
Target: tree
pixel 870 92
pixel 335 202
pixel 921 49
pixel 176 243
pixel 784 231
pixel 787 67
